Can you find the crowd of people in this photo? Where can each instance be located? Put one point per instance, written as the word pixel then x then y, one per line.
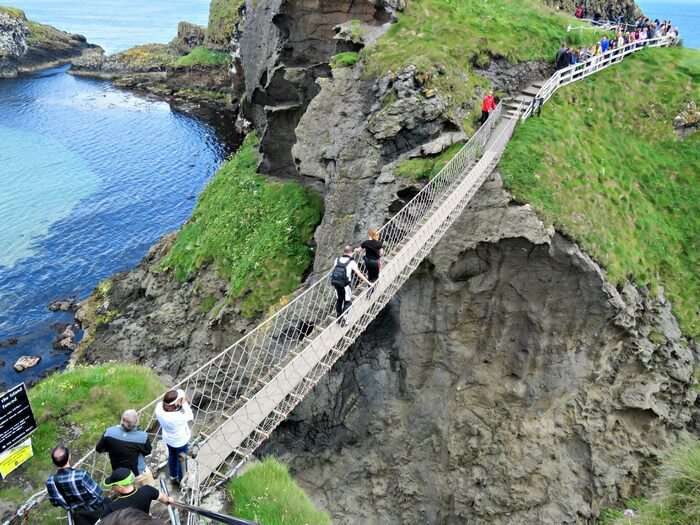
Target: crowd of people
pixel 643 29
pixel 130 485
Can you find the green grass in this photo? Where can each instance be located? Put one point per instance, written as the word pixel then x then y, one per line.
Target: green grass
pixel 77 405
pixel 223 17
pixel 677 498
pixel 255 232
pixel 346 59
pixel 201 56
pixel 445 39
pixel 13 12
pixel 425 168
pixel 604 165
pixel 268 495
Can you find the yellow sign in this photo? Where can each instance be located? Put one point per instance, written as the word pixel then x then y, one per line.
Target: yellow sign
pixel 13 458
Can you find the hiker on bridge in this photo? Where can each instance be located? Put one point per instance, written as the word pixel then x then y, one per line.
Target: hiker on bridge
pixel 126 495
pixel 487 106
pixel 374 250
pixel 174 415
pixel 74 490
pixel 341 279
pixel 127 446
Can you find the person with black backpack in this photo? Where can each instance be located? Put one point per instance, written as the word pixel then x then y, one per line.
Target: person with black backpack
pixel 341 279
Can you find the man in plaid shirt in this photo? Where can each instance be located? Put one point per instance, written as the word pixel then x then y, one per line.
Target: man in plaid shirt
pixel 74 489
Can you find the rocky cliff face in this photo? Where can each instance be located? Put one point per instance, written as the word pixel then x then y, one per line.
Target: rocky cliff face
pixel 606 9
pixel 508 382
pixel 27 46
pixel 285 47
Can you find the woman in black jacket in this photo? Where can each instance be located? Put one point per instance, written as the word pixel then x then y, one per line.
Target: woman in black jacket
pixel 374 249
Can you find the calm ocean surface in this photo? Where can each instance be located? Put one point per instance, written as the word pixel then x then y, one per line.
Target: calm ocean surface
pixel 91 176
pixel 684 14
pixel 117 25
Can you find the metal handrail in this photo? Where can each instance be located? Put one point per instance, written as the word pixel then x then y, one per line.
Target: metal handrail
pixel 581 70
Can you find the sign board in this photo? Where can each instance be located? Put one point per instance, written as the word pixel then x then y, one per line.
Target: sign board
pixel 16 418
pixel 13 458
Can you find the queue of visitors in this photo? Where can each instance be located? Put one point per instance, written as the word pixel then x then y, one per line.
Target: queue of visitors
pixel 567 56
pixel 130 482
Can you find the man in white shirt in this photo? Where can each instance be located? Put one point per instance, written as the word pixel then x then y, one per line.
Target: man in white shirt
pixel 174 415
pixel 341 279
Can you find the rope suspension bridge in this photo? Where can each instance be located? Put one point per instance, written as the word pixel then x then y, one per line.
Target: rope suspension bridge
pixel 240 396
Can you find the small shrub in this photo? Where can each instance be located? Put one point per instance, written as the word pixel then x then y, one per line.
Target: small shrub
pixel 268 495
pixel 201 56
pixel 346 59
pixel 425 168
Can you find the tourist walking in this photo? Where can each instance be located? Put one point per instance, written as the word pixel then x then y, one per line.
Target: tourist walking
pixel 127 446
pixel 563 58
pixel 174 415
pixel 487 106
pixel 126 495
pixel 74 490
pixel 341 279
pixel 374 250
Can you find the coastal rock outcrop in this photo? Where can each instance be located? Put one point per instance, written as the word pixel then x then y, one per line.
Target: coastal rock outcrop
pixel 27 46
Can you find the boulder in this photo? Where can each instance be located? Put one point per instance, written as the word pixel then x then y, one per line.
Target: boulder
pixel 688 120
pixel 26 361
pixel 64 305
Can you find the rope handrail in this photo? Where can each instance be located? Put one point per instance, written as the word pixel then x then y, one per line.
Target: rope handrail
pixel 241 394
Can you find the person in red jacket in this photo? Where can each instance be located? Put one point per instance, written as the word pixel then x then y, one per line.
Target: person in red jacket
pixel 487 106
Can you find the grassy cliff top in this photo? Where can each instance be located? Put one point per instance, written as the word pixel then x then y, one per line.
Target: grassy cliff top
pixel 268 495
pixel 41 35
pixel 604 164
pixel 446 39
pixel 255 232
pixel 223 17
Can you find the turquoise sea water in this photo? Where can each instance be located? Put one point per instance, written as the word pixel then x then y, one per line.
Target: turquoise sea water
pixel 683 14
pixel 117 25
pixel 90 176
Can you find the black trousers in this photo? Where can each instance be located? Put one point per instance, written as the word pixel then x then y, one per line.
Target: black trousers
pixel 372 266
pixel 484 116
pixel 341 304
pixel 86 517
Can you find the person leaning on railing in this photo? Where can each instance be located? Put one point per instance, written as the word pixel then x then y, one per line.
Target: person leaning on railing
pixel 127 447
